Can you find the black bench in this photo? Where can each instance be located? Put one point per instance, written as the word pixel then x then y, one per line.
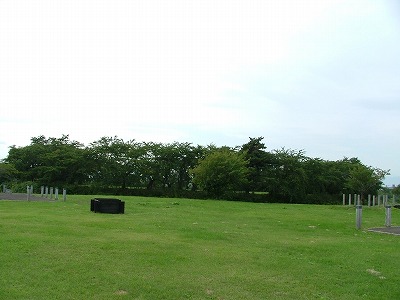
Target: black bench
pixel 107 205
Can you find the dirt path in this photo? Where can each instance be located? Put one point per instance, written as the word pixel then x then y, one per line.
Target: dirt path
pixel 21 196
pixel 390 230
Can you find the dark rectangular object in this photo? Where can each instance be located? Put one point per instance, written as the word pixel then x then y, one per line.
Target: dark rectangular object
pixel 107 205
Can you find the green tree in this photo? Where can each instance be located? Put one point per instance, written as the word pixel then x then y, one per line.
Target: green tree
pixel 168 165
pixel 289 179
pixel 221 171
pixel 396 190
pixel 8 173
pixel 258 163
pixel 117 162
pixel 161 168
pixel 326 177
pixel 317 173
pixel 187 158
pixel 365 180
pixel 49 161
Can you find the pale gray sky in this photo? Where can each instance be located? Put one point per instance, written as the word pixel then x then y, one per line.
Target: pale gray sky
pixel 323 76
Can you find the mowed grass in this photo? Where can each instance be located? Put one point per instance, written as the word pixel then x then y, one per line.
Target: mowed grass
pixel 193 249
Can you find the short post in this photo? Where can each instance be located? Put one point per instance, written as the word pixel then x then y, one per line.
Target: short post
pixel 4 188
pixel 355 199
pixel 358 216
pixel 41 191
pixel 388 215
pixel 56 194
pixel 379 200
pixel 51 193
pixel 359 200
pixel 64 194
pixel 28 192
pixel 373 200
pixel 46 191
pixel 387 200
pixel 344 199
pixel 369 200
pixel 349 199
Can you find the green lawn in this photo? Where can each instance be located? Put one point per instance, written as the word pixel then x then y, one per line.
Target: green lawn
pixel 194 249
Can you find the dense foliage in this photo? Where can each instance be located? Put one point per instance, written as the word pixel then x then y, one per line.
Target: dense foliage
pixel 248 172
pixel 220 171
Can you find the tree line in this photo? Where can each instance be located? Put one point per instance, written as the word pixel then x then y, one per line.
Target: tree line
pixel 248 172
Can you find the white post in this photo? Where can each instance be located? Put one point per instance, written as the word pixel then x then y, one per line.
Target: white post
pixel 56 194
pixel 387 200
pixel 358 200
pixel 369 200
pixel 28 189
pixel 46 191
pixel 355 199
pixel 373 200
pixel 41 191
pixel 388 215
pixel 344 199
pixel 358 216
pixel 51 193
pixel 379 200
pixel 64 194
pixel 349 199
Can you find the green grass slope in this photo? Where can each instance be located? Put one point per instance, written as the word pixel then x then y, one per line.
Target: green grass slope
pixel 193 249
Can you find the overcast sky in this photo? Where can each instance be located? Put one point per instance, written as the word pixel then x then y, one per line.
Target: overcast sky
pixel 322 76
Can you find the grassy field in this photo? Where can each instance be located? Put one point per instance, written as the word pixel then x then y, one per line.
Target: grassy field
pixel 193 249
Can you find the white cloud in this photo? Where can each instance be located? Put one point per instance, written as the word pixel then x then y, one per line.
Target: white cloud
pixel 304 74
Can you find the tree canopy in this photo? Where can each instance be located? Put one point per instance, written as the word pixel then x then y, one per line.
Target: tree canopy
pixel 112 164
pixel 220 171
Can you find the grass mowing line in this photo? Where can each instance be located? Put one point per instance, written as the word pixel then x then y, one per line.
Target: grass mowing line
pixel 194 250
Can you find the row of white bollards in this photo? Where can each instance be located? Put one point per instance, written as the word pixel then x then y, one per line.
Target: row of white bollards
pixel 373 200
pixel 388 216
pixel 46 192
